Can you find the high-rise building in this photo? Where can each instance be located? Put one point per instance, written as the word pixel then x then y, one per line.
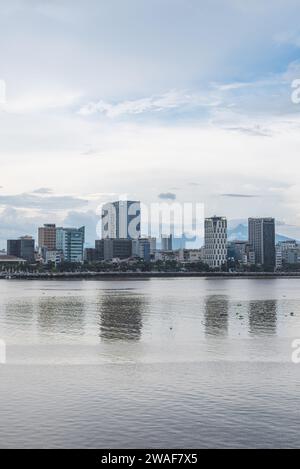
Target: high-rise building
pixel 166 242
pixel 141 248
pixel 262 239
pixel 22 248
pixel 47 237
pixel 152 242
pixel 13 247
pixel 70 241
pixel 215 239
pixel 121 220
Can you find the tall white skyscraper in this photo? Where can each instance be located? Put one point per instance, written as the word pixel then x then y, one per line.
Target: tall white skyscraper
pixel 215 240
pixel 121 220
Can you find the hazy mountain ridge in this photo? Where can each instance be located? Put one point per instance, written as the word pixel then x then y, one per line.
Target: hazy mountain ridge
pixel 240 232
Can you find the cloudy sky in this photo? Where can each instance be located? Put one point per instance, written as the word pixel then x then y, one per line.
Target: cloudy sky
pixel 184 100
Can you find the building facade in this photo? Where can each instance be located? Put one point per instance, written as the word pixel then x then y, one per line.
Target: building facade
pixel 241 251
pixel 70 241
pixel 108 249
pixel 215 240
pixel 121 220
pixel 152 242
pixel 287 252
pixel 262 239
pixel 47 237
pixel 22 248
pixel 141 248
pixel 166 242
pixel 53 257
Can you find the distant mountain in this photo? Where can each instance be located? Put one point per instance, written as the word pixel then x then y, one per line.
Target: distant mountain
pixel 280 238
pixel 240 232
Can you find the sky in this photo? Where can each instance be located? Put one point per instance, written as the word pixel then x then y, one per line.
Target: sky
pixel 183 100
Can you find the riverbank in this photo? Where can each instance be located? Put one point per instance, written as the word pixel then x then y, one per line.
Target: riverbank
pixel 110 275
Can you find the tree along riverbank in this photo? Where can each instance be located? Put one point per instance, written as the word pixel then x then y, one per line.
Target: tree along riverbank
pixel 136 275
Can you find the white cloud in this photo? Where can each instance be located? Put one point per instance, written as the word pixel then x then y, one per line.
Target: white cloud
pixel 170 100
pixel 188 93
pixel 48 100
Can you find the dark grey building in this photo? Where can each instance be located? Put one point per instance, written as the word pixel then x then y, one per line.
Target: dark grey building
pixel 166 242
pixel 22 248
pixel 90 255
pixel 13 247
pixel 262 239
pixel 240 251
pixel 107 249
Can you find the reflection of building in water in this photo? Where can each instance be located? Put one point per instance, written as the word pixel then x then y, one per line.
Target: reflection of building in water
pixel 216 315
pixel 263 317
pixel 61 315
pixel 121 317
pixel 20 311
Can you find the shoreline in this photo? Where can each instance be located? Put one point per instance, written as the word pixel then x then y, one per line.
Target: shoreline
pixel 140 275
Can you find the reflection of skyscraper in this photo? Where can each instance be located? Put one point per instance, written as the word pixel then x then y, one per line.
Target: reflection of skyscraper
pixel 121 317
pixel 61 315
pixel 263 317
pixel 216 315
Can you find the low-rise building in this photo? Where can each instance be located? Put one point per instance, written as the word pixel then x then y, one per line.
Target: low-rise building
pixel 241 251
pixel 287 252
pixel 10 261
pixel 54 257
pixel 90 255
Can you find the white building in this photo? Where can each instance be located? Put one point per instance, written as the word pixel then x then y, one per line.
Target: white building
pixel 215 240
pixel 56 257
pixel 278 256
pixel 121 220
pixel 287 252
pixel 194 255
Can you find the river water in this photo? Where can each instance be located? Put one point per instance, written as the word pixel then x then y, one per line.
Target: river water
pixel 150 363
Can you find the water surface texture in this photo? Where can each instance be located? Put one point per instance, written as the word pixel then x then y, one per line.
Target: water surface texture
pixel 181 362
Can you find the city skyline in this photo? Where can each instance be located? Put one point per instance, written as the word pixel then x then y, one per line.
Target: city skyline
pixel 192 118
pixel 149 227
pixel 236 231
pixel 59 245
